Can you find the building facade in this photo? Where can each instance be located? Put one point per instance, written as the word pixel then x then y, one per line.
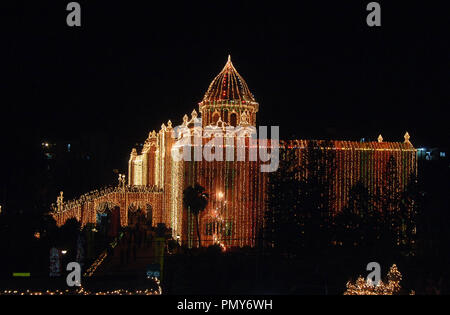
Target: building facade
pixel 233 179
pixel 238 188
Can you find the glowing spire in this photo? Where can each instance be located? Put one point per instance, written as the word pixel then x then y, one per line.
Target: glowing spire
pixel 407 137
pixel 228 85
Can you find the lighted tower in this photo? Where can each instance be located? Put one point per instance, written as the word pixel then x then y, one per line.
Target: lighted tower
pixel 228 100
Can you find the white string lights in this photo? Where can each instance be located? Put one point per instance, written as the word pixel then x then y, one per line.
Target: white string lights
pixel 363 287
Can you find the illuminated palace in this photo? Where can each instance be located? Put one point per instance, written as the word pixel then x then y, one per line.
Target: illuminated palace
pixel 237 187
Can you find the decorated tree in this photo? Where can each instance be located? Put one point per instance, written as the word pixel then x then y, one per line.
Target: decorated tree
pixel 394 277
pixel 366 287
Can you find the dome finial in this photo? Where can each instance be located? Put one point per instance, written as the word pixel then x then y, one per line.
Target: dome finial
pixel 227 86
pixel 407 137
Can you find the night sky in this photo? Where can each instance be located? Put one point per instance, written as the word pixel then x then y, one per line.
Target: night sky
pixel 316 68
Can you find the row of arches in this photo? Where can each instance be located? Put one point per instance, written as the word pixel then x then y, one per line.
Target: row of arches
pixel 108 216
pixel 229 118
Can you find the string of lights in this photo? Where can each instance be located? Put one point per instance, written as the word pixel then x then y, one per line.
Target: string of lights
pixel 82 291
pixel 157 180
pixel 366 287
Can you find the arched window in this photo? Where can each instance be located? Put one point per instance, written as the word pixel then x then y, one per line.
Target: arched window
pixel 215 118
pixel 233 119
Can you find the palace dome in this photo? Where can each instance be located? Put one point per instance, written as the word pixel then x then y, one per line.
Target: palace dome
pixel 228 86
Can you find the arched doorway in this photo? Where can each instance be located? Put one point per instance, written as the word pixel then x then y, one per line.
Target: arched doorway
pixel 108 219
pixel 136 215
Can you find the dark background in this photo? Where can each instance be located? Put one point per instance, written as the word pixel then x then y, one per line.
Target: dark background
pixel 316 68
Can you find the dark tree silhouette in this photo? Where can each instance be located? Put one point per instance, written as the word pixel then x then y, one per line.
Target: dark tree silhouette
pixel 318 167
pixel 68 236
pixel 196 199
pixel 389 199
pixel 299 199
pixel 358 223
pixel 282 227
pixel 410 208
